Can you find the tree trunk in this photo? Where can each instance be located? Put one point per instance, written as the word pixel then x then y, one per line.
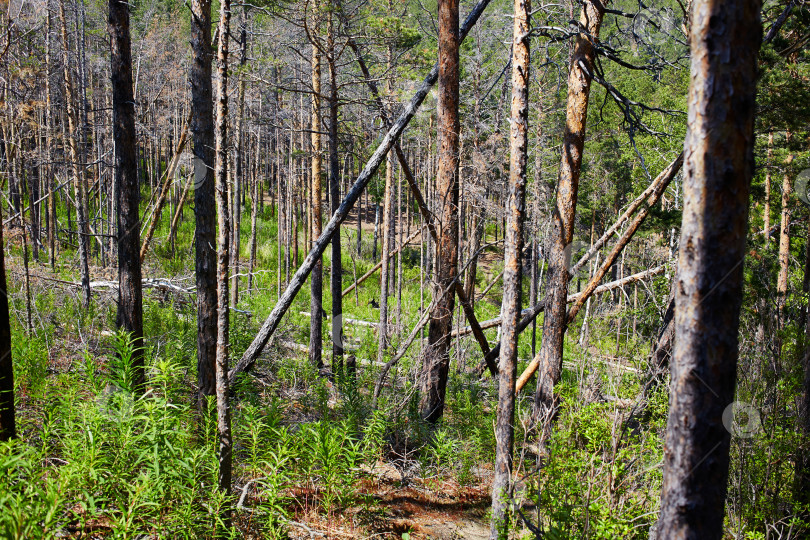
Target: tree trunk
pixel 8 426
pixel 225 443
pixel 202 129
pixel 554 323
pixel 718 166
pixel 336 274
pixel 512 278
pixel 239 180
pixel 382 330
pixel 784 260
pixel 51 221
pixel 767 211
pixel 78 181
pixel 436 360
pixel 316 283
pixel 130 294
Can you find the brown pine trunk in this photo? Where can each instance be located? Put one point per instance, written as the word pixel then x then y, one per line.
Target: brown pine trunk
pixel 130 295
pixel 202 129
pixel 550 356
pixel 225 443
pixel 436 361
pixel 316 283
pixel 718 166
pixel 512 277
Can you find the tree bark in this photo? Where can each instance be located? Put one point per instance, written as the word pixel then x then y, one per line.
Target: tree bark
pixel 718 166
pixel 225 442
pixel 202 129
pixel 554 323
pixel 316 280
pixel 336 273
pixel 130 293
pixel 436 361
pixel 512 278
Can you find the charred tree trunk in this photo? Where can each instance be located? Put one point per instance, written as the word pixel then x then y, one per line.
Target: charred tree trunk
pixel 718 166
pixel 436 361
pixel 512 278
pixel 8 425
pixel 130 294
pixel 202 129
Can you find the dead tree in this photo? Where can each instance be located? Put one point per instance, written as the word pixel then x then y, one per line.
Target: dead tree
pixel 130 293
pixel 512 276
pixel 316 279
pixel 436 361
pixel 718 166
pixel 225 442
pixel 8 426
pixel 79 191
pixel 369 169
pixel 562 233
pixel 202 129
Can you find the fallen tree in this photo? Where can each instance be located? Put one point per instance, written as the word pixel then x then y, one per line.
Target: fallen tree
pixel 320 245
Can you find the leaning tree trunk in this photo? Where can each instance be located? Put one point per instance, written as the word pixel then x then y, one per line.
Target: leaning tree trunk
pixel 550 356
pixel 718 165
pixel 436 361
pixel 223 246
pixel 78 182
pixel 316 280
pixel 202 129
pixel 130 294
pixel 512 276
pixel 369 169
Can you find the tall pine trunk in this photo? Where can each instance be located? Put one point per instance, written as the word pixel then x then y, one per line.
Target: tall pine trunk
pixel 436 361
pixel 225 443
pixel 202 129
pixel 718 166
pixel 130 295
pixel 554 323
pixel 316 280
pixel 336 276
pixel 512 277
